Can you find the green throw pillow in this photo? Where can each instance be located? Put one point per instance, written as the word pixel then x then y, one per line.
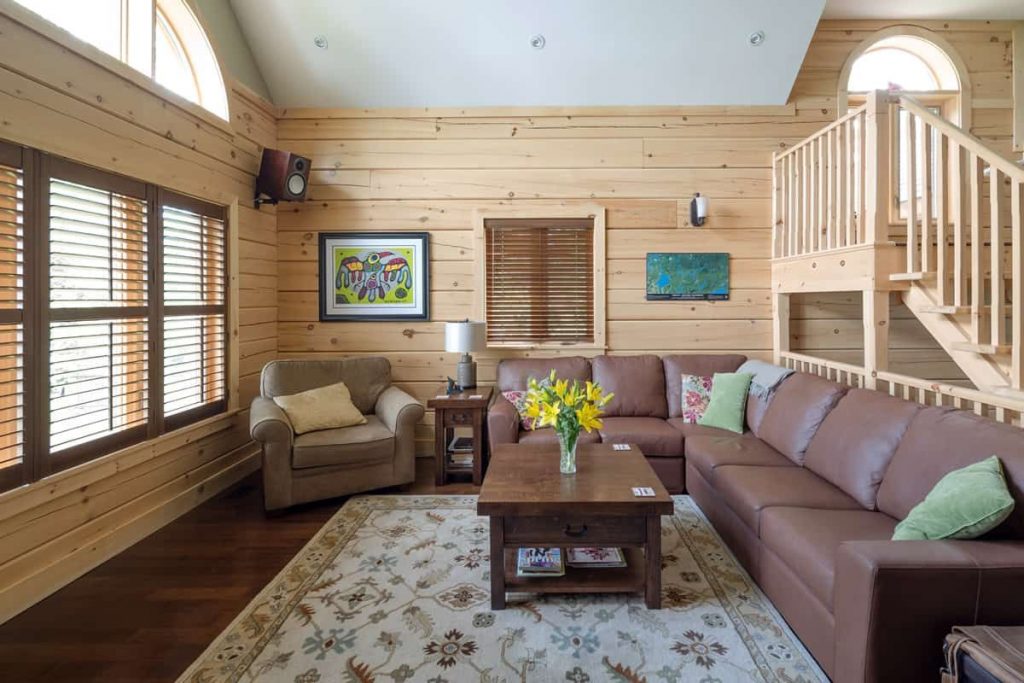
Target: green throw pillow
pixel 966 503
pixel 728 403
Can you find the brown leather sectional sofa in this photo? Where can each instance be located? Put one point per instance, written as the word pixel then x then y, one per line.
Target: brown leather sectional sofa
pixel 808 499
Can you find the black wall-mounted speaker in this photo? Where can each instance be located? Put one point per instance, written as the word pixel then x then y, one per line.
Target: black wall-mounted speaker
pixel 283 177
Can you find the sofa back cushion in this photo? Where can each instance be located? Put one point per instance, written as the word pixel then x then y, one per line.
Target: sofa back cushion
pixel 940 440
pixel 366 378
pixel 638 383
pixel 854 444
pixel 514 373
pixel 797 409
pixel 702 364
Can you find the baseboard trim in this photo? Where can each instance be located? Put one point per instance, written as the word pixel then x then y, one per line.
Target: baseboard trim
pixel 144 515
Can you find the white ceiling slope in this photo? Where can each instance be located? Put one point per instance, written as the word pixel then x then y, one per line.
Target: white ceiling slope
pixel 996 10
pixel 412 53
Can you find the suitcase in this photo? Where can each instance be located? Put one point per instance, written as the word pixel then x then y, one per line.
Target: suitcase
pixel 984 654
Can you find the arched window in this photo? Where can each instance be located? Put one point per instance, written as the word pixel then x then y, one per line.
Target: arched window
pixel 161 38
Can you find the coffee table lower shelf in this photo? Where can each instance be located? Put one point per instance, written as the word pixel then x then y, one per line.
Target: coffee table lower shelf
pixel 628 579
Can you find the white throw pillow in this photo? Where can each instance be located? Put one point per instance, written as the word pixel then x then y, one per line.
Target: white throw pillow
pixel 327 407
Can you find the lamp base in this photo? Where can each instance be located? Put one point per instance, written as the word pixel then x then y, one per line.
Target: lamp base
pixel 465 372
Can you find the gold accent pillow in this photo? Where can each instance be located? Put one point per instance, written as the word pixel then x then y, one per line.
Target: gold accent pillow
pixel 327 407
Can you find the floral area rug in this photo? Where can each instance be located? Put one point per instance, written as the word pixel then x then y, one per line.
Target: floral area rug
pixel 395 588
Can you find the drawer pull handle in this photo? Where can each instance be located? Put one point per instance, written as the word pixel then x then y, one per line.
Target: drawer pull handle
pixel 575 533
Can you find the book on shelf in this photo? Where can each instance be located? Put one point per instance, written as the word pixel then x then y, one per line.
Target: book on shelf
pixel 596 557
pixel 461 459
pixel 461 444
pixel 540 562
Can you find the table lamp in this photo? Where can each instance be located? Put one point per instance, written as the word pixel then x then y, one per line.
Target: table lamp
pixel 464 337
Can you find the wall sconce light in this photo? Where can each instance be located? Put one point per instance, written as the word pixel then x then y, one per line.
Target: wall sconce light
pixel 698 210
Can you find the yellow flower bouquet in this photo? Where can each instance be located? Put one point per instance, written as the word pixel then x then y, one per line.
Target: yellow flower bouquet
pixel 568 408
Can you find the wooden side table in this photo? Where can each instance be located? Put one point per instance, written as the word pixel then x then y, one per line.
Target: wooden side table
pixel 461 409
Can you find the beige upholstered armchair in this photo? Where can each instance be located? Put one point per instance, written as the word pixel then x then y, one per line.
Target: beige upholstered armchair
pixel 334 462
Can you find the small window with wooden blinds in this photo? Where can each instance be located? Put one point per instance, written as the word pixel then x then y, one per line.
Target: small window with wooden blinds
pixel 98 310
pixel 12 355
pixel 194 313
pixel 539 281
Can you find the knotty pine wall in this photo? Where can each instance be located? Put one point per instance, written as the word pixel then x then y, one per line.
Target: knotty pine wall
pixel 429 169
pixel 830 325
pixel 63 101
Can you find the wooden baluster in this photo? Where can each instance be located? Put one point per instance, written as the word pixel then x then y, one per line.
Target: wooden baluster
pixel 911 175
pixel 975 271
pixel 1017 283
pixel 819 195
pixel 925 144
pixel 862 235
pixel 829 203
pixel 957 177
pixel 941 216
pixel 997 294
pixel 777 220
pixel 846 203
pixel 792 213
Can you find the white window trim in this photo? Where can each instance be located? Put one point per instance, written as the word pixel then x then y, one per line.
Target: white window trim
pixel 582 211
pixel 73 43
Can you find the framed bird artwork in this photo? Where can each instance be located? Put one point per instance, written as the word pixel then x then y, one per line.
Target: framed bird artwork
pixel 374 276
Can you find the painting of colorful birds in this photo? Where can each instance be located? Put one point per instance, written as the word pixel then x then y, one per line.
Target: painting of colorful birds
pixel 373 276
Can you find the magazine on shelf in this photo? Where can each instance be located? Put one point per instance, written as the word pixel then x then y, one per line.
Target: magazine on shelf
pixel 596 557
pixel 540 562
pixel 461 444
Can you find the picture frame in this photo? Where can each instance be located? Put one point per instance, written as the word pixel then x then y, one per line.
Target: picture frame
pixel 687 276
pixel 373 276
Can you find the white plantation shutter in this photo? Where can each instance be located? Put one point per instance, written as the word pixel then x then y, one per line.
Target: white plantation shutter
pixel 98 310
pixel 12 354
pixel 194 314
pixel 540 281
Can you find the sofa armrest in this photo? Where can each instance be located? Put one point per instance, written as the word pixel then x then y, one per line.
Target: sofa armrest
pixel 398 410
pixel 268 423
pixel 894 601
pixel 502 422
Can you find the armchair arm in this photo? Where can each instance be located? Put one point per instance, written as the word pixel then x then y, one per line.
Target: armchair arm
pixel 896 600
pixel 268 423
pixel 502 422
pixel 398 410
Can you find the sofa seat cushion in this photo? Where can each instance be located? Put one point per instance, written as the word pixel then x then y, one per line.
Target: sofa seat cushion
pixel 365 444
pixel 749 490
pixel 707 452
pixel 655 437
pixel 692 429
pixel 547 437
pixel 807 540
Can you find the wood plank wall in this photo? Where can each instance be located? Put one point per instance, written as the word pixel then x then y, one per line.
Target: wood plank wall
pixel 829 326
pixel 59 100
pixel 428 170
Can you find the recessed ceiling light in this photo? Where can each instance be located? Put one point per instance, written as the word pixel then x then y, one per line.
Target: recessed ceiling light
pixel 756 38
pixel 538 42
pixel 320 42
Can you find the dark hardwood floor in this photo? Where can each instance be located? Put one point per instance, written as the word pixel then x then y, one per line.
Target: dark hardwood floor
pixel 147 613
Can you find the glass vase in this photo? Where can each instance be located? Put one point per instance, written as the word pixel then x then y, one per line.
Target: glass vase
pixel 567 450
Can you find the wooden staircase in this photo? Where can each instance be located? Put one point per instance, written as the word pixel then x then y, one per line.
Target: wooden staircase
pixel 892 197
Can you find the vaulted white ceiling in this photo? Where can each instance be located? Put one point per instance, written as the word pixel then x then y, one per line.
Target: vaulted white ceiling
pixel 411 53
pixel 925 9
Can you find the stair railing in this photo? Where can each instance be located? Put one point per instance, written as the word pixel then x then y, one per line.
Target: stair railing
pixel 967 244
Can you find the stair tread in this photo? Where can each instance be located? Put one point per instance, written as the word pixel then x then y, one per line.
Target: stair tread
pixel 903 277
pixel 946 310
pixel 987 349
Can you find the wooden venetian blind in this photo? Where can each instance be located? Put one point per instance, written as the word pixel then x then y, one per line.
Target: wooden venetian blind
pixel 194 293
pixel 98 310
pixel 12 355
pixel 540 280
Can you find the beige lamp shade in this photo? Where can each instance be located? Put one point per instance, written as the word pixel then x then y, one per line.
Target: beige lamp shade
pixel 465 337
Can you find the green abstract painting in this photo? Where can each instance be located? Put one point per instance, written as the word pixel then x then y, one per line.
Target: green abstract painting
pixel 687 277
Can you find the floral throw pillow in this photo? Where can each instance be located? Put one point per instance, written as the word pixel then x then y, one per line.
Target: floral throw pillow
pixel 696 393
pixel 518 401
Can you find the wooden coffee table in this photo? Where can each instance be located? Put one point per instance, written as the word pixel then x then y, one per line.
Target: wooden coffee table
pixel 531 503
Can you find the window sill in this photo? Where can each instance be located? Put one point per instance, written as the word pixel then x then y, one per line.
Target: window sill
pixel 590 346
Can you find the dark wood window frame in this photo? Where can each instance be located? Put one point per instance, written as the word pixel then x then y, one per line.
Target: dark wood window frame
pixel 36 314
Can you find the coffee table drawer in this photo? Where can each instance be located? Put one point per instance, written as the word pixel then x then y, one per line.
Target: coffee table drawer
pixel 589 530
